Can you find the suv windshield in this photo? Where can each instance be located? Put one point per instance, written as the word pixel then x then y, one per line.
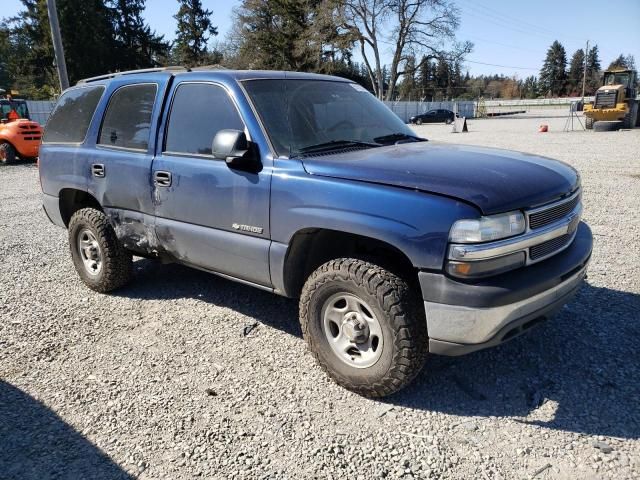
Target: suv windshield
pixel 304 116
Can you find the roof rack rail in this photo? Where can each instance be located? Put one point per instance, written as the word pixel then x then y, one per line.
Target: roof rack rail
pixel 215 66
pixel 176 68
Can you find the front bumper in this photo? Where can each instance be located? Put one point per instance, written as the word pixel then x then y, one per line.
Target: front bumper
pixel 465 317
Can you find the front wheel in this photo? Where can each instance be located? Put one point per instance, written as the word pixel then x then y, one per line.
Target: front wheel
pixel 448 121
pixel 101 261
pixel 588 123
pixel 8 153
pixel 364 326
pixel 419 121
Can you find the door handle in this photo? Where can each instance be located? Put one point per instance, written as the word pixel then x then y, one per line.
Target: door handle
pixel 162 178
pixel 97 170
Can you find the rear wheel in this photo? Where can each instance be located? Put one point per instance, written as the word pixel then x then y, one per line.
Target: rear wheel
pixel 101 261
pixel 8 153
pixel 364 326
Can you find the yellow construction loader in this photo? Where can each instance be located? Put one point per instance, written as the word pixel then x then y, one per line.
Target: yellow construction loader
pixel 615 102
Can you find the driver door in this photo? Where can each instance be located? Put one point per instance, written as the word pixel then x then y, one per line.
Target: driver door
pixel 209 215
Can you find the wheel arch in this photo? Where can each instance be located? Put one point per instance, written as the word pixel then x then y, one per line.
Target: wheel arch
pixel 71 200
pixel 311 247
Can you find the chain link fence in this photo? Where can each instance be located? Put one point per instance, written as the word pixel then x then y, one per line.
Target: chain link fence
pixel 40 110
pixel 406 110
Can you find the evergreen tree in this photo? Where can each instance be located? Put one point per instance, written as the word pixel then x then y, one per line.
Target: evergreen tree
pixel 623 62
pixel 193 33
pixel 407 89
pixel 553 75
pixel 137 45
pixel 593 71
pixel 87 36
pixel 575 74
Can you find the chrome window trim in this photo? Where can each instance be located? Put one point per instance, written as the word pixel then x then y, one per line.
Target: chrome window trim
pixel 485 251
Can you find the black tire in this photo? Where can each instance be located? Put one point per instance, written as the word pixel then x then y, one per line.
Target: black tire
pixel 116 262
pixel 448 121
pixel 588 123
pixel 631 117
pixel 403 325
pixel 8 153
pixel 419 121
pixel 607 126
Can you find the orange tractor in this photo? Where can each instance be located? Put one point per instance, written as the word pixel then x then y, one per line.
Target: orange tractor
pixel 19 136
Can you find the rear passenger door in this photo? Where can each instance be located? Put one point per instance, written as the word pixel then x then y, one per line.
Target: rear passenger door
pixel 208 214
pixel 120 169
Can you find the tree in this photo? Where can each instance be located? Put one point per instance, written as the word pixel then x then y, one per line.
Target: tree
pixel 575 73
pixel 530 87
pixel 593 71
pixel 87 37
pixel 553 75
pixel 301 35
pixel 623 62
pixel 413 27
pixel 137 46
pixel 193 33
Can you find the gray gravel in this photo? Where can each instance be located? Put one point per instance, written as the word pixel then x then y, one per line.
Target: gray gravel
pixel 159 381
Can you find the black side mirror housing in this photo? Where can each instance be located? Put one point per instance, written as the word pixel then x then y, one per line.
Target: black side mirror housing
pixel 233 147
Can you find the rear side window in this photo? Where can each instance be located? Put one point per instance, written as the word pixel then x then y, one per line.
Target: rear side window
pixel 198 112
pixel 127 121
pixel 70 120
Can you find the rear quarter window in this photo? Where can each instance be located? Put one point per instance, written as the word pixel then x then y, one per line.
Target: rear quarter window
pixel 128 119
pixel 70 120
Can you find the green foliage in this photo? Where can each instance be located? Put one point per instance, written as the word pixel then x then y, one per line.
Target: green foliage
pixel 98 37
pixel 623 62
pixel 553 74
pixel 575 73
pixel 194 30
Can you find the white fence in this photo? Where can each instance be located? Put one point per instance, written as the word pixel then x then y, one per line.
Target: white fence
pixel 406 110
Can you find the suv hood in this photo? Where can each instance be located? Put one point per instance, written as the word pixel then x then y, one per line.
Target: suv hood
pixel 493 180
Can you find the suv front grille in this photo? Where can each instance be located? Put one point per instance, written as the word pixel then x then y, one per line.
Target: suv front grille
pixel 547 216
pixel 550 246
pixel 606 99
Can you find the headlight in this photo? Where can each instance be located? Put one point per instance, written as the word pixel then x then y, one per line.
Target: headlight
pixel 485 229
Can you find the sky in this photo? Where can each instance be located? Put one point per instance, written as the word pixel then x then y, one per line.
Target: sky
pixel 511 35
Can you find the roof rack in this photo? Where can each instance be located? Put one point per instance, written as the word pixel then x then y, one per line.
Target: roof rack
pixel 176 68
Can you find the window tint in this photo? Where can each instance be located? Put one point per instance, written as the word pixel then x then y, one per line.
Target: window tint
pixel 70 120
pixel 198 112
pixel 128 119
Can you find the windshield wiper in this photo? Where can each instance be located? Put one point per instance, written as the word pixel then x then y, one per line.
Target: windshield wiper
pixel 394 137
pixel 334 145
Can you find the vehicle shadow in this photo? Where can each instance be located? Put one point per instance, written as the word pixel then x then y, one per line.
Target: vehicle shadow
pixel 37 444
pixel 577 372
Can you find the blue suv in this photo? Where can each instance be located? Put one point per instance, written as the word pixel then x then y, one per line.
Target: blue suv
pixel 307 186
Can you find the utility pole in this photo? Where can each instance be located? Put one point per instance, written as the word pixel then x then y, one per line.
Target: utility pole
pixel 57 45
pixel 584 73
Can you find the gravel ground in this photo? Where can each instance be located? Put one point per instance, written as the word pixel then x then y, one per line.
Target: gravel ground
pixel 159 381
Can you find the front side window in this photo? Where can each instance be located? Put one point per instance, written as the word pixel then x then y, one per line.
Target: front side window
pixel 198 112
pixel 72 115
pixel 304 115
pixel 127 121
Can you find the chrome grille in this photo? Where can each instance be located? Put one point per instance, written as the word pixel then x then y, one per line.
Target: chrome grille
pixel 550 246
pixel 546 216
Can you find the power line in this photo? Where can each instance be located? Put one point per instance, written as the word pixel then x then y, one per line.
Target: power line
pixel 503 66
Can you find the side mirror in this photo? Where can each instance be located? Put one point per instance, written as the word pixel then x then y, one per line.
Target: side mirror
pixel 233 147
